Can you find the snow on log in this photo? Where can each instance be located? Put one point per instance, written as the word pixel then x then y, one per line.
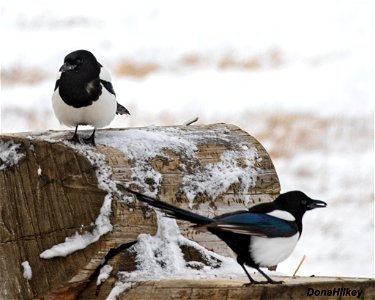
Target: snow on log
pixel 65 212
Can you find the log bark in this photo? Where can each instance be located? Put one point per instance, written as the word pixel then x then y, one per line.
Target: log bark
pixel 53 191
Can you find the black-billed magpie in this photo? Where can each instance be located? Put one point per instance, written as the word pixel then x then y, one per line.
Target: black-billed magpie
pixel 84 94
pixel 262 236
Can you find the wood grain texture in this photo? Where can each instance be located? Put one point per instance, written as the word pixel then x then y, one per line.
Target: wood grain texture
pixel 39 211
pixel 222 289
pixel 32 218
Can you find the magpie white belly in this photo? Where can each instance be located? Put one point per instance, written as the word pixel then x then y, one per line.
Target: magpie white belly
pixel 99 114
pixel 271 251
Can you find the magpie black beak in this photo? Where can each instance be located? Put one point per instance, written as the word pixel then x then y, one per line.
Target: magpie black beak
pixel 315 204
pixel 67 67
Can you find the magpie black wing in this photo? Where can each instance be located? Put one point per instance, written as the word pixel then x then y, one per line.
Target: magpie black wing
pixel 254 224
pixel 121 110
pixel 108 86
pixel 57 84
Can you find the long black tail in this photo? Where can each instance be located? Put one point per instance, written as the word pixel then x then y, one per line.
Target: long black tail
pixel 171 210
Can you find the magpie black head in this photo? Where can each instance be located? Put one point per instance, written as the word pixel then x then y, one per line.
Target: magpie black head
pixel 297 203
pixel 82 62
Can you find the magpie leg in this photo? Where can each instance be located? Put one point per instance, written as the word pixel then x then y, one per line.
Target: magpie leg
pixel 269 279
pixel 252 281
pixel 91 138
pixel 75 138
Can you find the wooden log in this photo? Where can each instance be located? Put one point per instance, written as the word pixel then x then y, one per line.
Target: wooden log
pixel 322 288
pixel 51 190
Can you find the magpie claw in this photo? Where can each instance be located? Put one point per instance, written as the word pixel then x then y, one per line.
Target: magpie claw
pixel 74 139
pixel 254 282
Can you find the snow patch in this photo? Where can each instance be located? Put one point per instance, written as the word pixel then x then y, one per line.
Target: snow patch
pixel 144 144
pixel 10 154
pixel 105 272
pixel 71 244
pixel 119 288
pixel 215 178
pixel 27 272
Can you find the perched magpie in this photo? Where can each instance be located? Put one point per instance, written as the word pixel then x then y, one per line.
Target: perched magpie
pixel 84 94
pixel 262 236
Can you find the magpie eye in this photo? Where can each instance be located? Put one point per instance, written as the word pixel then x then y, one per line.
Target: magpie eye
pixel 79 61
pixel 303 201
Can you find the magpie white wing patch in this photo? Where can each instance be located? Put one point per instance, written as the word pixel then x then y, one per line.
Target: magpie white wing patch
pixel 58 75
pixel 104 74
pixel 106 81
pixel 282 214
pixel 238 229
pixel 57 81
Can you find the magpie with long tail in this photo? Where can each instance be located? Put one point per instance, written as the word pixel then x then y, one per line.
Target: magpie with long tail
pixel 262 236
pixel 84 94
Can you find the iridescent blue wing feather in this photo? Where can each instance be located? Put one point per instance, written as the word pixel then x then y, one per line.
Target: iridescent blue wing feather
pixel 254 224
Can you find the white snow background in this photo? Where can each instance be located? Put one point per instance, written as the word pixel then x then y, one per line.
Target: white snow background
pixel 297 75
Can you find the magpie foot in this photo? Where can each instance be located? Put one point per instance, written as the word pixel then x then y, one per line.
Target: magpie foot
pixel 269 279
pixel 276 282
pixel 90 139
pixel 254 282
pixel 74 139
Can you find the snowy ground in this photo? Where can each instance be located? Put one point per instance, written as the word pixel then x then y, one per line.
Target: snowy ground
pixel 297 75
